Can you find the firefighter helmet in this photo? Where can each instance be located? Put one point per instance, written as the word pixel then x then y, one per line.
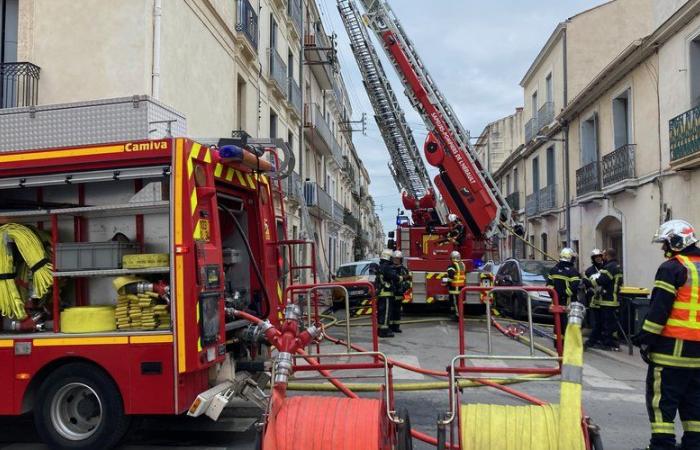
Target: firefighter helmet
pixel 567 254
pixel 678 234
pixel 455 256
pixel 397 255
pixel 386 254
pixel 596 252
pixel 452 218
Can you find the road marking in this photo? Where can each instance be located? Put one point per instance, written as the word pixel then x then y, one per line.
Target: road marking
pixel 597 379
pixel 403 374
pixel 598 396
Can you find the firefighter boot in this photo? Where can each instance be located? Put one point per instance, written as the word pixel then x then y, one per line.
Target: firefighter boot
pixel 396 328
pixel 385 332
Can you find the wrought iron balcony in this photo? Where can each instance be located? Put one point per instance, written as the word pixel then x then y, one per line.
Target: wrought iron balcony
pixel 278 72
pixel 321 137
pixel 513 199
pixel 618 165
pixel 531 204
pixel 530 129
pixel 338 212
pixel 295 14
pixel 316 197
pixel 545 115
pixel 547 198
pixel 294 95
pixel 588 179
pixel 351 220
pixel 19 84
pixel 684 136
pixel 247 22
pixel 291 186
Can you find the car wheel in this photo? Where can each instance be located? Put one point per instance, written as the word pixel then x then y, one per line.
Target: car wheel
pixel 80 407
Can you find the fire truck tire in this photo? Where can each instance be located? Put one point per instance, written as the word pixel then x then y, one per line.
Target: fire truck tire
pixel 80 407
pixel 404 441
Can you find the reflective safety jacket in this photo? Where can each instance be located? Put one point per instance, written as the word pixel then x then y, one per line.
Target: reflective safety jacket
pixel 592 291
pixel 457 273
pixel 403 281
pixel 386 279
pixel 673 316
pixel 610 282
pixel 565 279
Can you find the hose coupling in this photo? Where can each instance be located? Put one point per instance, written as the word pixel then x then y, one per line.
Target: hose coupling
pixel 576 313
pixel 292 312
pixel 283 367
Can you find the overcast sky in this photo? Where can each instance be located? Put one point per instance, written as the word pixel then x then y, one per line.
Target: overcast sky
pixel 477 52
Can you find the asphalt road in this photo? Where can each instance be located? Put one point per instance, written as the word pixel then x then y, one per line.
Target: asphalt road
pixel 613 394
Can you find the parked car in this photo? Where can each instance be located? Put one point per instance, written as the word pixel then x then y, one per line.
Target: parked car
pixel 523 272
pixel 355 271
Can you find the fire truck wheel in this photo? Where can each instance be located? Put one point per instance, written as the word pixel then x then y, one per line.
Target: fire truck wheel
pixel 79 407
pixel 404 441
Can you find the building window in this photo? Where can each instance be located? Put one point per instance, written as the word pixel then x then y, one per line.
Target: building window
pixel 273 125
pixel 549 87
pixel 621 119
pixel 551 167
pixel 532 246
pixel 515 180
pixel 290 64
pixel 543 238
pixel 694 54
pixel 507 191
pixel 273 33
pixel 535 174
pixel 589 140
pixel 9 9
pixel 241 104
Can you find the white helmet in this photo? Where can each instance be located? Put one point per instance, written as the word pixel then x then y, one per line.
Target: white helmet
pixel 678 234
pixel 452 218
pixel 567 254
pixel 596 252
pixel 397 254
pixel 455 256
pixel 386 254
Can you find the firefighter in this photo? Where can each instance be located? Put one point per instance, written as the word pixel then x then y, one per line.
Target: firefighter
pixel 670 340
pixel 609 281
pixel 565 279
pixel 455 233
pixel 456 279
pixel 384 283
pixel 593 297
pixel 402 285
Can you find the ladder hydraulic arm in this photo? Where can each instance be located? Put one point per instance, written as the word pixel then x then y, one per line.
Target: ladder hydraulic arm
pixel 465 185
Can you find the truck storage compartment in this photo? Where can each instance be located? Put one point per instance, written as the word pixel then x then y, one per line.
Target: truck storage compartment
pixel 93 255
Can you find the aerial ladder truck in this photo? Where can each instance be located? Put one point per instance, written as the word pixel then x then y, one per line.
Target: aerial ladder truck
pixel 466 188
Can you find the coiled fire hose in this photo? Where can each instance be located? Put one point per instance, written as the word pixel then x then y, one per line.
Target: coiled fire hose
pixel 34 256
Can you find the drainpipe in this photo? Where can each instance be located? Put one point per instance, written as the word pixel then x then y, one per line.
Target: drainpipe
pixel 565 128
pixel 155 73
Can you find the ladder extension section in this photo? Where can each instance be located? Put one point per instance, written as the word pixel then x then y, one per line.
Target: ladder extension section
pixel 406 166
pixel 484 206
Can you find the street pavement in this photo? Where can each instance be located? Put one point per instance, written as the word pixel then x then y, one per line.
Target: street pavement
pixel 613 393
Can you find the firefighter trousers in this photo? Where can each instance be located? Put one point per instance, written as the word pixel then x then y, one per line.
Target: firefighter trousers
pixel 384 307
pixel 453 301
pixel 608 325
pixel 670 390
pixel 395 312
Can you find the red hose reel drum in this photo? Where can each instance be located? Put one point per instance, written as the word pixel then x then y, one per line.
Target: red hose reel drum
pixel 330 423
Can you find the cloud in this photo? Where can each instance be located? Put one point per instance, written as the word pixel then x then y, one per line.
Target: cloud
pixel 476 52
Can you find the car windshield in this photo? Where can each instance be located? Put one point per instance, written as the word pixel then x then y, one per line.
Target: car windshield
pixel 536 270
pixel 353 270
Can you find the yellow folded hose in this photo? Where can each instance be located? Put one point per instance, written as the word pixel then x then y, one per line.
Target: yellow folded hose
pixel 88 319
pixel 571 434
pixel 36 258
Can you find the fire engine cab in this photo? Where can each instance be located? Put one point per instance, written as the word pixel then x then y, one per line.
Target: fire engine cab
pixel 145 250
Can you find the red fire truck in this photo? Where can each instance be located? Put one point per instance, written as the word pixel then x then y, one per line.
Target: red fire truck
pixel 214 217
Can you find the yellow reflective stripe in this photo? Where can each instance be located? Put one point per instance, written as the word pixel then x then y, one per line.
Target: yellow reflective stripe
pixel 678 348
pixel 652 327
pixel 229 174
pixel 193 201
pixel 6 343
pixel 207 156
pixel 218 170
pixel 675 361
pixel 240 178
pixel 564 278
pixel 663 428
pixel 691 425
pixel 158 339
pixel 50 342
pixel 684 323
pixel 668 287
pixel 251 182
pixel 656 398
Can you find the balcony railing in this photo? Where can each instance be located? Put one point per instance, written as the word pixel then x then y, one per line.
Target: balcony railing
pixel 350 220
pixel 684 134
pixel 588 179
pixel 531 204
pixel 338 212
pixel 294 95
pixel 291 185
pixel 513 200
pixel 278 71
pixel 295 13
pixel 315 196
pixel 247 22
pixel 547 198
pixel 530 129
pixel 313 117
pixel 19 84
pixel 618 165
pixel 545 115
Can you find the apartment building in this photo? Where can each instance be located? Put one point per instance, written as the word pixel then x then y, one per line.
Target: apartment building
pixel 266 67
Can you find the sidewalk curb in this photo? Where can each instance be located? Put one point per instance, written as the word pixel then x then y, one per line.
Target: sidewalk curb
pixel 621 356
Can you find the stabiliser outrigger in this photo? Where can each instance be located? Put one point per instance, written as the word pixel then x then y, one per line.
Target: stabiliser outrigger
pixel 330 422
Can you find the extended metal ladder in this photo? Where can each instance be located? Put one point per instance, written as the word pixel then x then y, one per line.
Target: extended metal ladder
pixel 406 165
pixel 382 19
